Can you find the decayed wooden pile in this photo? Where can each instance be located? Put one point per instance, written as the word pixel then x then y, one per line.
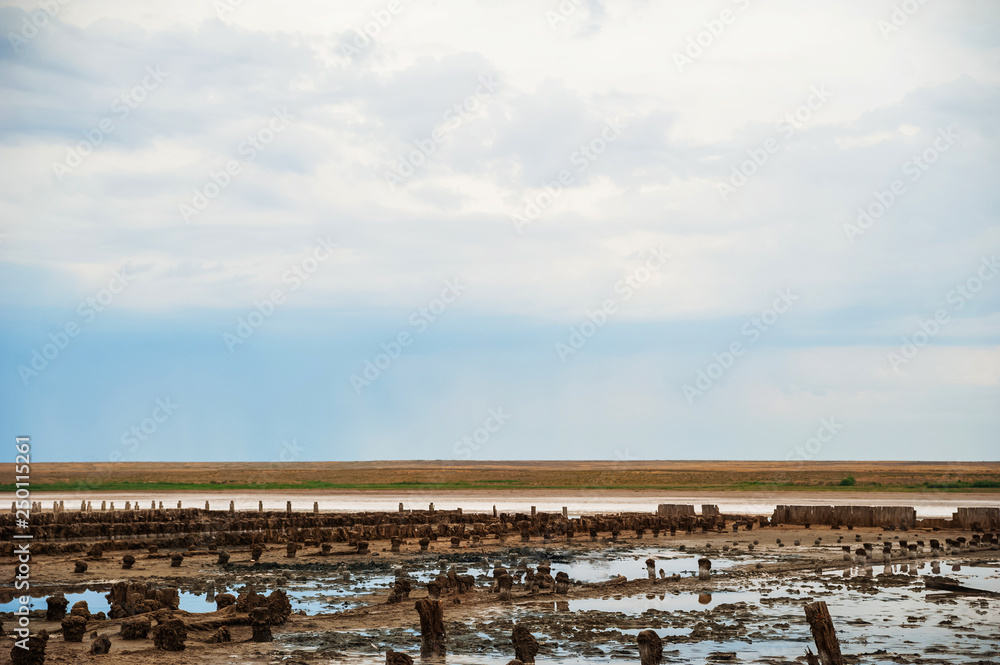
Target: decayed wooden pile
pixel 860 516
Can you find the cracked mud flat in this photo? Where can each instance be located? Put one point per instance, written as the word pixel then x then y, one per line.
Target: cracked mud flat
pixel 751 607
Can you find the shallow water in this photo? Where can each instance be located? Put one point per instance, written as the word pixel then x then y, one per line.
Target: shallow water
pixel 604 565
pixel 882 613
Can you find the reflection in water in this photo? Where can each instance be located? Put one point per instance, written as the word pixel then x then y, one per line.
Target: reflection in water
pixel 936 567
pixel 956 567
pixel 704 598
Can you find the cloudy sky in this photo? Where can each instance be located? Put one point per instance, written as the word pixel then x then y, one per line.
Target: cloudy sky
pixel 488 229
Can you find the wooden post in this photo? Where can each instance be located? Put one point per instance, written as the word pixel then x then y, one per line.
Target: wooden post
pixel 704 566
pixel 650 648
pixel 432 635
pixel 525 644
pixel 821 624
pixel 397 658
pixel 505 582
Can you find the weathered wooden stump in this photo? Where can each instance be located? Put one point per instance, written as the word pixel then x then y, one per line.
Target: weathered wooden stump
pixel 56 609
pixel 432 634
pixel 220 635
pixel 278 607
pixel 290 549
pixel 256 552
pixel 651 569
pixel 397 657
pixel 704 566
pixel 456 542
pixel 135 628
pixel 170 636
pixel 650 648
pixel 80 567
pixel 224 600
pixel 362 547
pixel 176 560
pixel 100 646
pixel 525 644
pixel 260 625
pixel 34 654
pixel 73 628
pixel 821 625
pixel 505 582
pixel 562 583
pixel 223 558
pixel 400 591
pixel 80 609
pixel 394 544
pixel 424 544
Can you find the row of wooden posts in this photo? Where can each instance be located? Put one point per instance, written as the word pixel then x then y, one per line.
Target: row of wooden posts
pixel 60 506
pixel 433 640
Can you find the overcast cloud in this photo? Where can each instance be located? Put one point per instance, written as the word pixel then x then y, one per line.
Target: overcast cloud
pixel 214 153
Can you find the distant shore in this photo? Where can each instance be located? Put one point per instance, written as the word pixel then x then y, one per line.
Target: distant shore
pixel 515 476
pixel 577 502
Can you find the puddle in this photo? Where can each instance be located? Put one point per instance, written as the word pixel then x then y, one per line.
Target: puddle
pixel 97 602
pixel 602 566
pixel 883 613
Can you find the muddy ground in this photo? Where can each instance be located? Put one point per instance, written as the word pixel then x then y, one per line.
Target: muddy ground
pixel 595 621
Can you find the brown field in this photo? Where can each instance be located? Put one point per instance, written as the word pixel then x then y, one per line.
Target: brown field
pixel 466 475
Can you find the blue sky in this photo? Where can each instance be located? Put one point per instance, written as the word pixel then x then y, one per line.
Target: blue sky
pixel 636 230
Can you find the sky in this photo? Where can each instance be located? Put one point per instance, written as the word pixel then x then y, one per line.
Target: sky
pixel 500 229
